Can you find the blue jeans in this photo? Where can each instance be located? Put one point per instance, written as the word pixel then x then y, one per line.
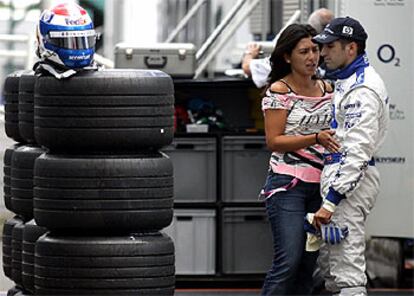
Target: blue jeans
pixel 292 267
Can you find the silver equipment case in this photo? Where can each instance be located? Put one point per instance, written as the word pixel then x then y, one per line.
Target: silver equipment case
pixel 175 59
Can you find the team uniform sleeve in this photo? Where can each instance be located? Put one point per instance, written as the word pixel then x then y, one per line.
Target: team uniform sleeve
pixel 361 130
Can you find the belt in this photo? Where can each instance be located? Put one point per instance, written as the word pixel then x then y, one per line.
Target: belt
pixel 331 158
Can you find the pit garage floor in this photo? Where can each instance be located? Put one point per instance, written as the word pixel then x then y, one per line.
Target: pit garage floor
pixel 256 292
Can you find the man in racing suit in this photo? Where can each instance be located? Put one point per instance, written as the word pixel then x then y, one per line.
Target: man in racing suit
pixel 350 180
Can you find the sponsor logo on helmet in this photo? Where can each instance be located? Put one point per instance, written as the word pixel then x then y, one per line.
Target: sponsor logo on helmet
pixel 47 16
pixel 65 34
pixel 80 57
pixel 78 22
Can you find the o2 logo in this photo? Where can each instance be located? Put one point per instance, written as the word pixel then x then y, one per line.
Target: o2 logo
pixel 386 54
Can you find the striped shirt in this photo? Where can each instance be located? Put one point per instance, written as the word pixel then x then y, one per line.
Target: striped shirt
pixel 306 115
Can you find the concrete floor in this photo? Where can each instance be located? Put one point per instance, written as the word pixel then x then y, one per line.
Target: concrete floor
pixel 257 293
pixel 239 292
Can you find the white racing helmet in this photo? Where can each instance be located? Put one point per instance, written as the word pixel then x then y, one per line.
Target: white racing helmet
pixel 66 36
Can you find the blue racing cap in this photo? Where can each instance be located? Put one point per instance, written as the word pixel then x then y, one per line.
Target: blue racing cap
pixel 341 28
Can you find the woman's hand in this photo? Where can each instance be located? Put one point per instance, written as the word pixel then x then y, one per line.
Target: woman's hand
pixel 326 139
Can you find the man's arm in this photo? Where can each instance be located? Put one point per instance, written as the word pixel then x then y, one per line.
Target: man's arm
pixel 252 52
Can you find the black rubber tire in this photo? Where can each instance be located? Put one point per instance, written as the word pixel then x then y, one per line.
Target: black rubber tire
pixel 23 293
pixel 104 100
pixel 26 106
pixel 31 233
pixel 113 262
pixel 140 165
pixel 11 97
pixel 23 160
pixel 103 122
pixel 124 273
pixel 104 273
pixel 104 139
pixel 11 83
pixel 122 219
pixel 7 162
pixel 7 244
pixel 105 292
pixel 7 192
pixel 103 283
pixel 102 111
pixel 67 244
pixel 105 110
pixel 128 192
pixel 13 132
pixel 17 244
pixel 14 291
pixel 12 108
pixel 108 82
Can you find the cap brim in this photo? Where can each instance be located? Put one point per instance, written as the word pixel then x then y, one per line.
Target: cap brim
pixel 325 38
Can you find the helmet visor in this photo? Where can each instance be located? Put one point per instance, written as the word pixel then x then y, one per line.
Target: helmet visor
pixel 73 39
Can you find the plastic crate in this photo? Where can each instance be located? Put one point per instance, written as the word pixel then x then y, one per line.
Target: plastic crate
pixel 245 161
pixel 194 233
pixel 195 169
pixel 246 241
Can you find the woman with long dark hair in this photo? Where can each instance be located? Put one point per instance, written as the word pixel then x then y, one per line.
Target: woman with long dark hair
pixel 297 112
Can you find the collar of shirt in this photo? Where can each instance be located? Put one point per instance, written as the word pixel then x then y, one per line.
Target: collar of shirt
pixel 357 65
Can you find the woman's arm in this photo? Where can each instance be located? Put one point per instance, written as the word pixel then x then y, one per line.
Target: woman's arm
pixel 276 140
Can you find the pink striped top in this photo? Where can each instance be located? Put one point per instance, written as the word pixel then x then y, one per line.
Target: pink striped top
pixel 306 115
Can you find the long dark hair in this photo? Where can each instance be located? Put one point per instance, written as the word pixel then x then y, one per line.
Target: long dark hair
pixel 287 41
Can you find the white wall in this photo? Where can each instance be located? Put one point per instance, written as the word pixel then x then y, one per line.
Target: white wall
pixel 140 21
pixel 132 21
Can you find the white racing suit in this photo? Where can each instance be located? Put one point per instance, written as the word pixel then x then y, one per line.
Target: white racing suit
pixel 350 180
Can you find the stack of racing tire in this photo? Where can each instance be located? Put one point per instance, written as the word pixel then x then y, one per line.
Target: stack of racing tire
pixel 20 232
pixel 103 190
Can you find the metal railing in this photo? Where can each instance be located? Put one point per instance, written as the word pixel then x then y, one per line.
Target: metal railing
pixel 219 29
pixel 185 20
pixel 227 27
pixel 295 16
